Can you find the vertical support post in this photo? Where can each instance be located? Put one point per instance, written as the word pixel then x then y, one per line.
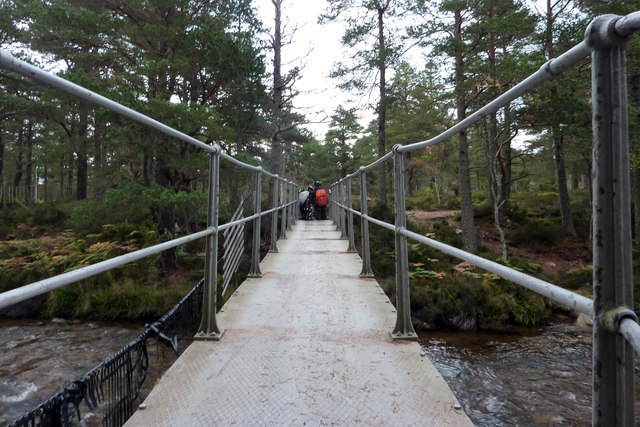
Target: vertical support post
pixel 334 205
pixel 343 201
pixel 364 226
pixel 208 329
pixel 613 370
pixel 273 247
pixel 257 225
pixel 404 326
pixel 290 215
pixel 283 222
pixel 352 243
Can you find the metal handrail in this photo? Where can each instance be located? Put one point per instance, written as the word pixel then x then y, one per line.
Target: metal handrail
pixel 616 329
pixel 208 328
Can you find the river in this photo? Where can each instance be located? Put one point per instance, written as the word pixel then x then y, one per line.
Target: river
pixel 530 377
pixel 40 358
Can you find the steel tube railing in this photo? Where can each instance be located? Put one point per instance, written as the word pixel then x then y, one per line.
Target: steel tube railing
pixel 9 62
pixel 26 292
pixel 616 330
pixel 547 72
pixel 351 233
pixel 364 227
pixel 273 248
pixel 254 271
pixel 208 328
pixel 613 368
pixel 556 293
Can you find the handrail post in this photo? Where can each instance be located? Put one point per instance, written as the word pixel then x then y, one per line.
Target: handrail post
pixel 257 225
pixel 332 204
pixel 273 247
pixel 208 329
pixel 343 201
pixel 613 370
pixel 352 243
pixel 404 327
pixel 283 218
pixel 290 216
pixel 364 225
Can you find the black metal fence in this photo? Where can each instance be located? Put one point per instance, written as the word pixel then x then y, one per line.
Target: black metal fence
pixel 112 387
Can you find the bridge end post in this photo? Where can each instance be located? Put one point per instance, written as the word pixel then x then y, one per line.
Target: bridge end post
pixel 209 329
pixel 283 217
pixel 364 225
pixel 613 357
pixel 273 247
pixel 404 327
pixel 254 271
pixel 352 243
pixel 343 200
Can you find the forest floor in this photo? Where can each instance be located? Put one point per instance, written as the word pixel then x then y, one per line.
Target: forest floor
pixel 567 255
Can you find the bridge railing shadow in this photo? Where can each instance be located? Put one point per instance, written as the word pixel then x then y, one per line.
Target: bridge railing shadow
pixel 249 190
pixel 616 332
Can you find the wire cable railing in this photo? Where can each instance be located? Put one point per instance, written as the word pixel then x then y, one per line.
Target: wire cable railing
pixel 616 331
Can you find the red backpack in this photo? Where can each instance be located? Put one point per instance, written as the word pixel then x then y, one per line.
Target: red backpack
pixel 321 197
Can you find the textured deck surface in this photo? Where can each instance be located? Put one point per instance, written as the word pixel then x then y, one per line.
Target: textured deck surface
pixel 307 344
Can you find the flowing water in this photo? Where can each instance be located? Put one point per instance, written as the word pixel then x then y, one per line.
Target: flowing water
pixel 531 377
pixel 40 358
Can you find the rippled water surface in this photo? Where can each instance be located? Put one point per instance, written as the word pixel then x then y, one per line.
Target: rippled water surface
pixel 41 358
pixel 532 377
pixel 535 377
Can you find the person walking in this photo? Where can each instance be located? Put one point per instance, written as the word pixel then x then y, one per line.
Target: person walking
pixel 321 201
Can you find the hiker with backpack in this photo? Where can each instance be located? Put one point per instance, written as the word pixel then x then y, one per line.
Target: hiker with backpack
pixel 307 208
pixel 321 200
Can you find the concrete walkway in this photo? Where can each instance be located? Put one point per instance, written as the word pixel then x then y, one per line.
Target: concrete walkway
pixel 307 344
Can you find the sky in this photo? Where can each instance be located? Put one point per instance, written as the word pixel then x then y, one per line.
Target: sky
pixel 316 48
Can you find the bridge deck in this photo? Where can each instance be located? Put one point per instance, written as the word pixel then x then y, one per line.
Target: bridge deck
pixel 307 344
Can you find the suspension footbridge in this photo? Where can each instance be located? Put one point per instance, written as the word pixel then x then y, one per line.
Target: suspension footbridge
pixel 308 338
pixel 309 343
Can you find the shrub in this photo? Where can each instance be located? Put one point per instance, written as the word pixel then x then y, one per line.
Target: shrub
pixel 537 230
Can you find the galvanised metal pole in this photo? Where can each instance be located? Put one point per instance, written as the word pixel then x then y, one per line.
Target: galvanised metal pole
pixel 364 225
pixel 404 326
pixel 208 329
pixel 257 225
pixel 343 202
pixel 613 370
pixel 332 204
pixel 273 248
pixel 290 215
pixel 352 243
pixel 283 218
pixel 336 212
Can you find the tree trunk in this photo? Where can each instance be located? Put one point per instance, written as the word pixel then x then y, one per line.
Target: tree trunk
pixel 382 106
pixel 83 166
pixel 70 178
pixel 45 174
pixel 28 193
pixel 62 176
pixel 505 154
pixel 561 178
pixel 166 218
pixel 2 162
pixel 469 238
pixel 19 165
pixel 146 167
